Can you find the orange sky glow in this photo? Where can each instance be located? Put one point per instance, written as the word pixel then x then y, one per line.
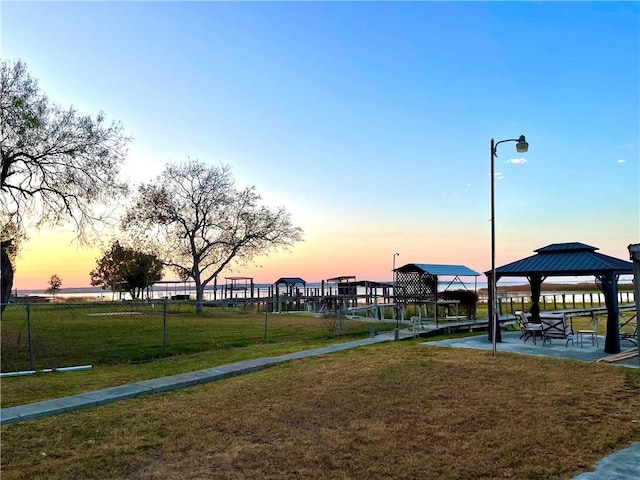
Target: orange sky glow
pixel 319 258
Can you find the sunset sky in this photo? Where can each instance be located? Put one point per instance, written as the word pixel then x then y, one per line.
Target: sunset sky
pixel 370 122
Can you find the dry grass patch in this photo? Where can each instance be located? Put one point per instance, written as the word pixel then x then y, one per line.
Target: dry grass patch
pixel 22 390
pixel 396 411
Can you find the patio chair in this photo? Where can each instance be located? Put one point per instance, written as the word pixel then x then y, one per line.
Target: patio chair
pixel 527 329
pixel 630 336
pixel 555 326
pixel 416 326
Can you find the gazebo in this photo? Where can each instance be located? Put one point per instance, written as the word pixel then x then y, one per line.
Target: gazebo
pixel 570 259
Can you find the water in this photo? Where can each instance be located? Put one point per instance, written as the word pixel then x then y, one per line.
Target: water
pixel 168 290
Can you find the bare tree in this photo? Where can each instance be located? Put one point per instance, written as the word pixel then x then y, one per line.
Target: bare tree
pixel 197 222
pixel 57 165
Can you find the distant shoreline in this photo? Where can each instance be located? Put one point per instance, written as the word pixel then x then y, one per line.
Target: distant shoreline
pixel 624 286
pixel 559 287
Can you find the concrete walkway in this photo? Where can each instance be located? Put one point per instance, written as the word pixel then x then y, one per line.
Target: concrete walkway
pixel 622 465
pixel 164 384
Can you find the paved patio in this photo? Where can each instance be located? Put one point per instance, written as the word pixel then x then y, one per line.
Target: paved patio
pixel 511 343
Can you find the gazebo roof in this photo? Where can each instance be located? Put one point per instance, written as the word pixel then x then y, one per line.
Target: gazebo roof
pixel 435 269
pixel 565 259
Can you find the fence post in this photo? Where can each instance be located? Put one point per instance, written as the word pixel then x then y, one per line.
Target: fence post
pixel 31 364
pixel 266 321
pixel 164 327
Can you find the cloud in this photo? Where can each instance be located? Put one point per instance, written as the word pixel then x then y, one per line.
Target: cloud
pixel 621 160
pixel 626 145
pixel 498 175
pixel 517 161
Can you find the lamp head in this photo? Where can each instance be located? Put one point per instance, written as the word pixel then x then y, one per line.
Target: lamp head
pixel 522 146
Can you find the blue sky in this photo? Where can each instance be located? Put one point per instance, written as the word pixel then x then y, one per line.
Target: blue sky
pixel 369 121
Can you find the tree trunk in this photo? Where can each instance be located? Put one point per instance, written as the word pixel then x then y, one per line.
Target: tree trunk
pixel 6 268
pixel 199 294
pixel 199 299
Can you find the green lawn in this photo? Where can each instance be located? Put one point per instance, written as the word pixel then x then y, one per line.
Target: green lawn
pixel 126 343
pixel 65 335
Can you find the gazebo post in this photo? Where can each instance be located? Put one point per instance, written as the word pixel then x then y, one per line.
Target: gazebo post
pixel 535 282
pixel 610 290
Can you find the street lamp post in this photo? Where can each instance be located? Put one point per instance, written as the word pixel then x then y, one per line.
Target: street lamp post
pixel 494 325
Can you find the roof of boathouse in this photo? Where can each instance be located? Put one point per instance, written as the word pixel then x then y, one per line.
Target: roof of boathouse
pixel 439 270
pixel 289 281
pixel 371 284
pixel 559 259
pixel 342 278
pixel 350 280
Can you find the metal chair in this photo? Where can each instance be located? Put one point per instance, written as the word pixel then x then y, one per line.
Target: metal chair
pixel 416 326
pixel 527 329
pixel 555 326
pixel 630 336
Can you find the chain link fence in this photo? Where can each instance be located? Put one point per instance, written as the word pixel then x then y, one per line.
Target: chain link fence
pixel 40 336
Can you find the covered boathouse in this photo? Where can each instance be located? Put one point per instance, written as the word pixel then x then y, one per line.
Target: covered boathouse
pixel 418 283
